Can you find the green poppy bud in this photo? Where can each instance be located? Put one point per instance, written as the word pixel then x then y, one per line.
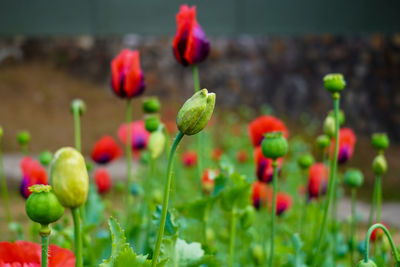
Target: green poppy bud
pixel 379 165
pixel 334 82
pixel 274 145
pixel 45 158
pixel 305 161
pixel 156 144
pixel 323 141
pixel 69 177
pixel 370 263
pixel 329 126
pixel 42 206
pixel 1 132
pixel 196 112
pixel 23 138
pixel 341 116
pixel 353 178
pixel 257 253
pixel 152 123
pixel 77 105
pixel 248 217
pixel 157 196
pixel 380 141
pixel 210 235
pixel 151 105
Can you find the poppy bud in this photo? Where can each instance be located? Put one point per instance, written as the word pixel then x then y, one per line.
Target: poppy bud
pixel 370 263
pixel 152 123
pixel 1 132
pixel 329 126
pixel 151 105
pixel 334 82
pixel 196 112
pixel 379 165
pixel 353 178
pixel 258 254
pixel 69 177
pixel 380 141
pixel 77 105
pixel 45 158
pixel 42 205
pixel 156 144
pixel 210 235
pixel 323 141
pixel 305 161
pixel 248 217
pixel 23 138
pixel 274 145
pixel 341 116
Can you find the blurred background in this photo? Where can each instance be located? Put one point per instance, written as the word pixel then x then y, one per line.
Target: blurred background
pixel 266 56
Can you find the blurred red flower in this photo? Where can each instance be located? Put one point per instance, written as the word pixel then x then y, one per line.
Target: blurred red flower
pixel 378 233
pixel 347 141
pixel 32 173
pixel 283 202
pixel 102 180
pixel 106 150
pixel 127 79
pixel 242 156
pixel 28 254
pixel 216 153
pixel 208 179
pixel 190 44
pixel 260 193
pixel 265 124
pixel 140 136
pixel 189 158
pixel 264 169
pixel 318 177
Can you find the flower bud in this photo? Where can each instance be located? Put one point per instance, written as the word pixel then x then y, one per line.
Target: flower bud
pixel 274 145
pixel 323 141
pixel 258 254
pixel 379 165
pixel 23 138
pixel 152 123
pixel 341 116
pixel 45 158
pixel 156 144
pixel 77 105
pixel 353 178
pixel 42 205
pixel 305 161
pixel 196 112
pixel 380 141
pixel 1 132
pixel 334 82
pixel 151 105
pixel 329 126
pixel 69 177
pixel 370 263
pixel 248 217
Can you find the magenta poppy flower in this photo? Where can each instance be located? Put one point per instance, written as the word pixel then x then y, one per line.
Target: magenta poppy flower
pixel 32 173
pixel 283 203
pixel 140 136
pixel 264 169
pixel 102 180
pixel 106 150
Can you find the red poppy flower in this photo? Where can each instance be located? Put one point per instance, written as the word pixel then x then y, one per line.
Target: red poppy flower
pixel 242 156
pixel 265 171
pixel 207 180
pixel 283 202
pixel 28 254
pixel 140 136
pixel 102 180
pixel 317 180
pixel 216 154
pixel 106 150
pixel 347 141
pixel 32 173
pixel 260 193
pixel 190 44
pixel 378 232
pixel 265 124
pixel 189 158
pixel 126 75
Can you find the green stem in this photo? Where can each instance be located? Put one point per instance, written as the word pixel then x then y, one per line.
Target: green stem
pixel 196 80
pixel 304 206
pixel 45 250
pixel 353 224
pixel 4 188
pixel 378 198
pixel 77 237
pixel 273 212
pixel 164 210
pixel 232 238
pixel 128 151
pixel 332 179
pixel 373 204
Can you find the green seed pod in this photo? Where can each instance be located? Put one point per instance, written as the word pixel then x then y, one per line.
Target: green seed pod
pixel 248 217
pixel 196 112
pixel 379 165
pixel 42 206
pixel 380 141
pixel 152 123
pixel 323 141
pixel 69 177
pixel 341 116
pixel 257 253
pixel 334 82
pixel 329 126
pixel 353 178
pixel 151 105
pixel 45 158
pixel 23 138
pixel 77 105
pixel 305 161
pixel 370 263
pixel 156 144
pixel 274 145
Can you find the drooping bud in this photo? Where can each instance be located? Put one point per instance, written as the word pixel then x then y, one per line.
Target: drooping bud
pixel 380 141
pixel 248 217
pixel 45 158
pixel 353 178
pixel 379 165
pixel 323 141
pixel 69 177
pixel 341 116
pixel 334 82
pixel 23 138
pixel 152 123
pixel 77 105
pixel 196 112
pixel 156 144
pixel 305 161
pixel 151 105
pixel 329 126
pixel 274 145
pixel 370 263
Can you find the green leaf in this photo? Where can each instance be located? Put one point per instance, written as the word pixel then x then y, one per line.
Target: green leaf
pixel 199 209
pixel 170 226
pixel 236 197
pixel 127 258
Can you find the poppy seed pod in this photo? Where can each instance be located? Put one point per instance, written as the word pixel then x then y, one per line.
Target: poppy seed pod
pixel 353 178
pixel 305 161
pixel 156 144
pixel 323 141
pixel 329 126
pixel 274 145
pixel 370 263
pixel 196 112
pixel 379 165
pixel 341 116
pixel 45 158
pixel 151 123
pixel 23 138
pixel 380 141
pixel 42 205
pixel 151 105
pixel 69 177
pixel 334 82
pixel 77 105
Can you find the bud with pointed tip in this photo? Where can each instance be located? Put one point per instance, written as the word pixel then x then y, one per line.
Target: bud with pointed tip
pixel 156 144
pixel 334 82
pixel 380 141
pixel 196 112
pixel 151 105
pixel 77 105
pixel 379 165
pixel 23 138
pixel 305 161
pixel 274 145
pixel 370 263
pixel 329 126
pixel 353 178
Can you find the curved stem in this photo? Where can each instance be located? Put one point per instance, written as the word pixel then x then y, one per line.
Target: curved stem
pixel 353 224
pixel 4 188
pixel 332 178
pixel 373 204
pixel 273 211
pixel 164 210
pixel 128 152
pixel 77 237
pixel 232 238
pixel 378 198
pixel 45 250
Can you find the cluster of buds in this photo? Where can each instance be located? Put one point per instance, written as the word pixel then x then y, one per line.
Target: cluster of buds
pixel 380 142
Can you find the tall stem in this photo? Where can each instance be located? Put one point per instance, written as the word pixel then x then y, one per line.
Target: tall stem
pixel 164 210
pixel 304 207
pixel 353 224
pixel 128 152
pixel 332 179
pixel 196 80
pixel 273 212
pixel 378 198
pixel 77 237
pixel 4 188
pixel 232 238
pixel 45 250
pixel 373 204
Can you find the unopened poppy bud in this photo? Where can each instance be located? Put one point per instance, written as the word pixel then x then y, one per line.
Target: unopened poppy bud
pixel 329 126
pixel 274 145
pixel 196 112
pixel 1 132
pixel 341 116
pixel 334 82
pixel 151 105
pixel 69 177
pixel 210 235
pixel 380 141
pixel 152 123
pixel 42 205
pixel 369 263
pixel 323 141
pixel 258 254
pixel 248 217
pixel 77 105
pixel 379 165
pixel 23 138
pixel 156 144
pixel 45 158
pixel 353 178
pixel 305 161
